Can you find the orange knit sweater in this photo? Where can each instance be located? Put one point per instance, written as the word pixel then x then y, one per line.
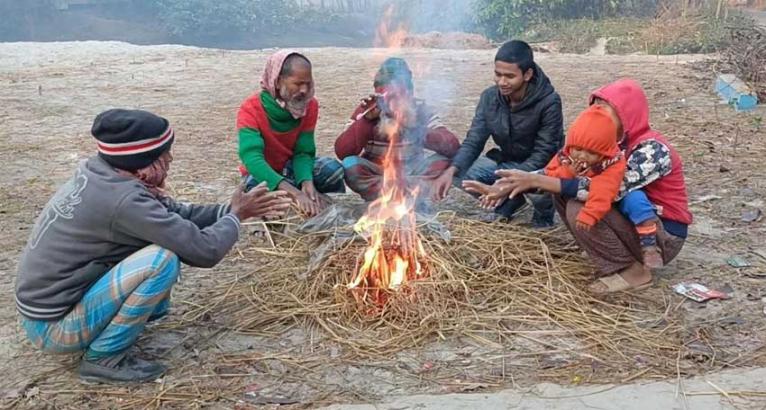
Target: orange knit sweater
pixel 604 187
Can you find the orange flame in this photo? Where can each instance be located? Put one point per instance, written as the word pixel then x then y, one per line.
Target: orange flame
pixel 388 34
pixel 395 254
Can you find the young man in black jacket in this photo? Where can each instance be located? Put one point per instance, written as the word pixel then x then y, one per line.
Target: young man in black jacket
pixel 522 113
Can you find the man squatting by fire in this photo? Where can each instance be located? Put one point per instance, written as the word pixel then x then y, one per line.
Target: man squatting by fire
pixel 522 114
pixel 107 249
pixel 365 142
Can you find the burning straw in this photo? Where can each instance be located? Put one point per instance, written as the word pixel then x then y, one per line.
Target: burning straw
pixel 495 284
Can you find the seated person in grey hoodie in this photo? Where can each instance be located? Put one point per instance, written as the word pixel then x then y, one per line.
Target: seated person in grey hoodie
pixel 106 250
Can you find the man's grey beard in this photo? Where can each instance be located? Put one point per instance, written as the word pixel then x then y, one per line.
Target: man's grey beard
pixel 293 104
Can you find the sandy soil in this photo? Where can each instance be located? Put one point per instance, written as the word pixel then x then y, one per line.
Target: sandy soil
pixel 52 91
pixel 697 393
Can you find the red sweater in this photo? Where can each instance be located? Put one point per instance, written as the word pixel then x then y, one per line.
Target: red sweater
pixel 361 135
pixel 278 144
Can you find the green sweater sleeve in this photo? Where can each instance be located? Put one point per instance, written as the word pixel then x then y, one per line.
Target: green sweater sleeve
pixel 251 154
pixel 303 157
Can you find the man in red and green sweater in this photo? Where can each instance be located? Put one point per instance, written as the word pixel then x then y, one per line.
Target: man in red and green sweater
pixel 276 135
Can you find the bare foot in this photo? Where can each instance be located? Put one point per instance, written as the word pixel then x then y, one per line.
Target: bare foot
pixel 652 257
pixel 635 277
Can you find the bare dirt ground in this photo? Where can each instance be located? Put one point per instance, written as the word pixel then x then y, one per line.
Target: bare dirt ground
pixel 51 92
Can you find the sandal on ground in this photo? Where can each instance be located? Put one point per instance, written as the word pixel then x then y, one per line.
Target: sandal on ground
pixel 615 283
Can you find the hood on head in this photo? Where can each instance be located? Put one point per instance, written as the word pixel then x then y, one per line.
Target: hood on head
pixel 595 131
pixel 627 98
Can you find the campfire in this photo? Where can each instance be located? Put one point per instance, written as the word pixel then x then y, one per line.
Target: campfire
pixel 395 254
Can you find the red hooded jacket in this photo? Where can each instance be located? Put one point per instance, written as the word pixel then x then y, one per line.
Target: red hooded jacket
pixel 630 102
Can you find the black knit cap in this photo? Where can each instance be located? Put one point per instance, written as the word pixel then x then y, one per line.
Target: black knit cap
pixel 131 139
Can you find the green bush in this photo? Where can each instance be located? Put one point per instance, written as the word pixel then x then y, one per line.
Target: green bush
pixel 580 35
pixel 693 34
pixel 705 35
pixel 508 18
pixel 213 18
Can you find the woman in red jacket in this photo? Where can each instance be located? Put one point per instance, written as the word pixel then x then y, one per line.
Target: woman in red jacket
pixel 653 167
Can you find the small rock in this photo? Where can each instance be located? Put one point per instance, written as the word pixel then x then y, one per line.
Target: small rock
pixel 33 392
pixel 751 215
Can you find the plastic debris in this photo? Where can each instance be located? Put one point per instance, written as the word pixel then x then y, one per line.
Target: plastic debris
pixel 735 92
pixel 738 262
pixel 698 292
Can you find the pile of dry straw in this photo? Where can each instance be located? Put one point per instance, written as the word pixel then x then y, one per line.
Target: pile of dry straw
pixel 495 284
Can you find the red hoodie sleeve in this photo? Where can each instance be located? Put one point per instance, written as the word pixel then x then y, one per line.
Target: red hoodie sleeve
pixel 354 138
pixel 604 188
pixel 442 141
pixel 438 138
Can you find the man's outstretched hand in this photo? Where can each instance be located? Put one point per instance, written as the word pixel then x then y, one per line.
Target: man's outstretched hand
pixel 517 182
pixel 441 185
pixel 490 196
pixel 259 203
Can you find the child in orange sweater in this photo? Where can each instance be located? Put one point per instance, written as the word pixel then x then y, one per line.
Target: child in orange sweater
pixel 592 151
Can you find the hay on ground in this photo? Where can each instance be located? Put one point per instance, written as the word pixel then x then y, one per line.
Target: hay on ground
pixel 496 284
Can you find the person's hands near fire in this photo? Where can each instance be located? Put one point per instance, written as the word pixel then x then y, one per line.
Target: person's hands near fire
pixel 307 199
pixel 511 182
pixel 521 181
pixel 441 185
pixel 259 203
pixel 490 196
